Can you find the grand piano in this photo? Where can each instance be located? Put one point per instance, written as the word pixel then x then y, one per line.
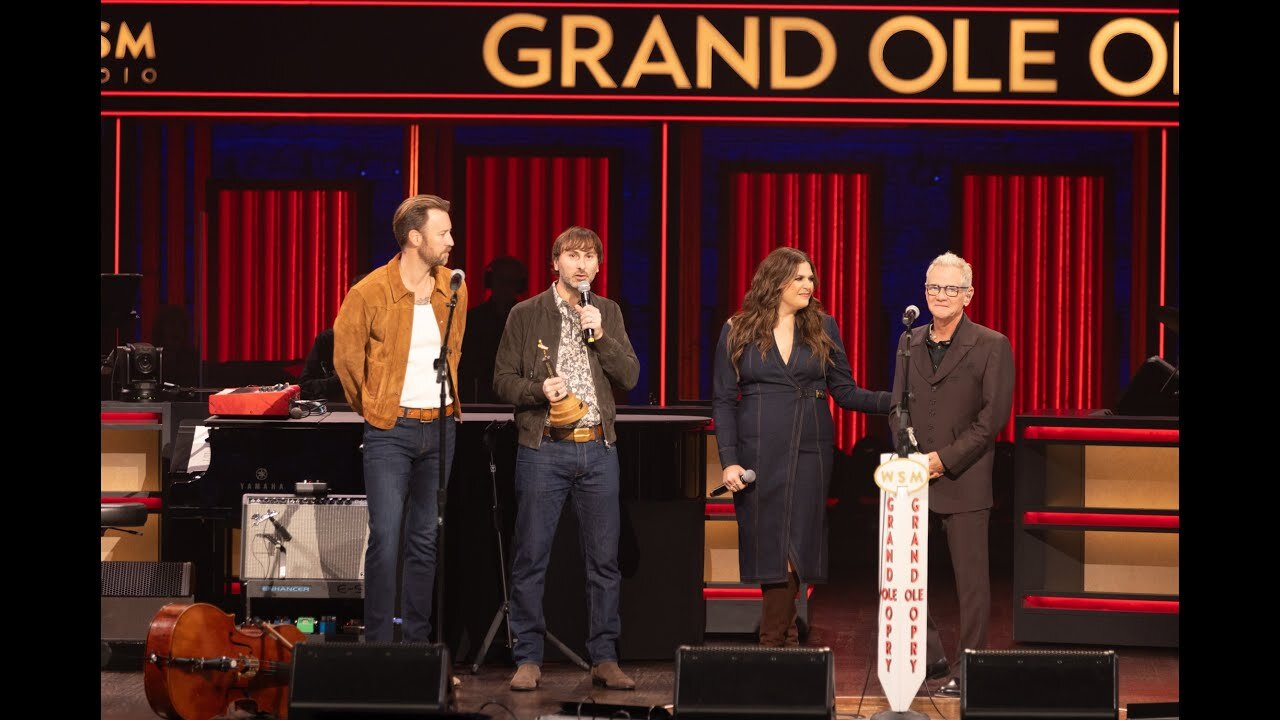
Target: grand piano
pixel 663 460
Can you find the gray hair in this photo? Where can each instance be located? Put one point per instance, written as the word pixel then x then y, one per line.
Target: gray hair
pixel 950 259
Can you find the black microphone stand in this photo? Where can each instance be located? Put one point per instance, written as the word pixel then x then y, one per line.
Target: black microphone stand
pixel 904 445
pixel 442 493
pixel 503 613
pixel 905 440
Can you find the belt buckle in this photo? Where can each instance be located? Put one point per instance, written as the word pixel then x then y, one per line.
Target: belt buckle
pixel 583 434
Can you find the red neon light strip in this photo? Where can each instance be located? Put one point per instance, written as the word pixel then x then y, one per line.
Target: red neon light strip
pixel 149 418
pixel 1164 185
pixel 1117 520
pixel 642 118
pixel 731 593
pixel 1048 602
pixel 660 6
pixel 1142 435
pixel 117 183
pixel 152 503
pixel 662 291
pixel 413 159
pixel 506 97
pixel 746 593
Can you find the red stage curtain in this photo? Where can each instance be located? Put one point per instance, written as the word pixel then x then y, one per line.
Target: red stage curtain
pixel 517 205
pixel 280 262
pixel 825 215
pixel 1036 243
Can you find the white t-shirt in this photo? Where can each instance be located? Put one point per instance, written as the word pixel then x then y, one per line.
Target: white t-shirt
pixel 420 387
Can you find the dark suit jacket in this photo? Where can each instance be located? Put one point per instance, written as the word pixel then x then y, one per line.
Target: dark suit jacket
pixel 958 411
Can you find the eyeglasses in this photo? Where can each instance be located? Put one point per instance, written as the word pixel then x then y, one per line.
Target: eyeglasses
pixel 952 290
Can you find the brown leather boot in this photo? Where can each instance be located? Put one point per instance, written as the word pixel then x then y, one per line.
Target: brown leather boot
pixel 527 677
pixel 777 608
pixel 611 676
pixel 792 636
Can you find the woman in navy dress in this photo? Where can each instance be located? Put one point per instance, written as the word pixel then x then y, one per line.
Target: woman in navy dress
pixel 776 362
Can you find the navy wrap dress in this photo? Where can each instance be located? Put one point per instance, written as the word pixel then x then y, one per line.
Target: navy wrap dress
pixel 775 420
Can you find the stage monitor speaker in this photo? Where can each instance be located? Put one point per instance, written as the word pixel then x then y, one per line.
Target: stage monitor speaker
pixel 345 681
pixel 720 682
pixel 132 593
pixel 1039 684
pixel 1153 390
pixel 311 538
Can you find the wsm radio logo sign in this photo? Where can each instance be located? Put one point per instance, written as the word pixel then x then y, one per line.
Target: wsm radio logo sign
pixel 125 54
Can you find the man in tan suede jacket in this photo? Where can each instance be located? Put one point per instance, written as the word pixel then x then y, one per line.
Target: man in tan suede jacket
pixel 385 343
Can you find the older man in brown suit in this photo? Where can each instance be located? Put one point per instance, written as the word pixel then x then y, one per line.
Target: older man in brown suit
pixel 961 395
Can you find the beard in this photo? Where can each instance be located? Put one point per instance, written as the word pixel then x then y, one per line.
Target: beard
pixel 432 261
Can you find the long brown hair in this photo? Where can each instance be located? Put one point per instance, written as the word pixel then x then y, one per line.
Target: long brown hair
pixel 759 314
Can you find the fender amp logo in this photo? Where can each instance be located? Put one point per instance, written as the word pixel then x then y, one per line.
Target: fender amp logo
pixel 125 52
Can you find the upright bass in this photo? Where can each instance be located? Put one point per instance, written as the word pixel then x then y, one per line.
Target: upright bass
pixel 197 662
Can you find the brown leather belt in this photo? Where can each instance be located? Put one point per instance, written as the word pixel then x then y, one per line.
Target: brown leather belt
pixel 576 434
pixel 426 415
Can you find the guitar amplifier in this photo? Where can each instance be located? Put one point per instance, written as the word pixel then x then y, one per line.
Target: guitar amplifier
pixel 303 547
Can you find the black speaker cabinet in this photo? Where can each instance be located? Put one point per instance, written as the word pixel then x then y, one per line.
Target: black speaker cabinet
pixel 345 681
pixel 723 682
pixel 1056 685
pixel 132 593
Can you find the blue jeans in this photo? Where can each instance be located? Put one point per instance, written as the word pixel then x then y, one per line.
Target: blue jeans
pixel 401 468
pixel 544 478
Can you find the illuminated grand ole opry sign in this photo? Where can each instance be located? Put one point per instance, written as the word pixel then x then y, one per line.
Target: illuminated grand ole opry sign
pixel 643 61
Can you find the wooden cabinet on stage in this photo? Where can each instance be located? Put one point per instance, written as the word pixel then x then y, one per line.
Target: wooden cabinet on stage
pixel 133 438
pixel 1096 530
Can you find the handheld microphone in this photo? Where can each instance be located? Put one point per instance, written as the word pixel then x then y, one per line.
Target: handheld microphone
pixel 747 477
pixel 910 314
pixel 284 534
pixel 585 289
pixel 455 280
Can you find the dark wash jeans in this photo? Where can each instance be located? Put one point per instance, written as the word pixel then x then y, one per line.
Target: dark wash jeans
pixel 401 467
pixel 544 478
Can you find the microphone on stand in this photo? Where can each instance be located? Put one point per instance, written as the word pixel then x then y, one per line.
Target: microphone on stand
pixel 747 477
pixel 271 515
pixel 585 289
pixel 910 314
pixel 455 280
pixel 905 438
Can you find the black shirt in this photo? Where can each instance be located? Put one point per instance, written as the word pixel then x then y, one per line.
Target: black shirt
pixel 938 349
